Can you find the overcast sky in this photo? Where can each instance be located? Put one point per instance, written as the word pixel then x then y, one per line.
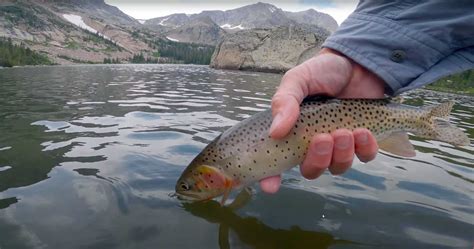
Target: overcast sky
pixel 146 9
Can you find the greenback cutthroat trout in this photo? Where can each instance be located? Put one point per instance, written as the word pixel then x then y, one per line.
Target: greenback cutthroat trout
pixel 245 153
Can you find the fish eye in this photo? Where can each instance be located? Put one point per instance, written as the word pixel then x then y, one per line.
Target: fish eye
pixel 184 186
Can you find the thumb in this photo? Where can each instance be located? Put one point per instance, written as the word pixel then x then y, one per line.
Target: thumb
pixel 324 74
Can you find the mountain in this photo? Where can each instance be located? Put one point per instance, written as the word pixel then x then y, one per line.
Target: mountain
pixel 259 15
pixel 173 21
pixel 202 30
pixel 92 8
pixel 312 16
pixel 71 31
pixel 91 31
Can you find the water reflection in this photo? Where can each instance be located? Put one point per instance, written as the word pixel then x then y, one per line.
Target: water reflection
pixel 253 232
pixel 331 221
pixel 90 154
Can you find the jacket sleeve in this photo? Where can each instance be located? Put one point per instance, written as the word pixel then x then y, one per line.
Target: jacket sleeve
pixel 408 43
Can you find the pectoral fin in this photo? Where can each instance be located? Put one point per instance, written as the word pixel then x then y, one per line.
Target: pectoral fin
pixel 225 196
pixel 241 199
pixel 398 144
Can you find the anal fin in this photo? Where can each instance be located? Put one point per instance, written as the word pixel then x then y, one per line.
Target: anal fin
pixel 398 144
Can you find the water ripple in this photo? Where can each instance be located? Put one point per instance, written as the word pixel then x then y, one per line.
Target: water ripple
pixel 104 145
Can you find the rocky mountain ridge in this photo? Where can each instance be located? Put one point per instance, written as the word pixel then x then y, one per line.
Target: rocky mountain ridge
pixel 91 31
pixel 259 15
pixel 201 30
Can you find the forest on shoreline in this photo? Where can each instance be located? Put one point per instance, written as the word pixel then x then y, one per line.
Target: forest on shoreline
pixel 19 55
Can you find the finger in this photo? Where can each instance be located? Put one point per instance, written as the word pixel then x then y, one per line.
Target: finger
pixel 285 110
pixel 325 74
pixel 365 144
pixel 318 157
pixel 286 101
pixel 270 184
pixel 343 152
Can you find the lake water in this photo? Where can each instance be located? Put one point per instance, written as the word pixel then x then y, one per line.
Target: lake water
pixel 89 156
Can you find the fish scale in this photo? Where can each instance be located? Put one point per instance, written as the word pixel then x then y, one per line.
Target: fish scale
pixel 245 153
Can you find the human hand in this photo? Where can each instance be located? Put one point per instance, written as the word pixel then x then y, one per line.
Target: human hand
pixel 329 73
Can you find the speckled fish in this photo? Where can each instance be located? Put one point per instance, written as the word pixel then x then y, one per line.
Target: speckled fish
pixel 245 153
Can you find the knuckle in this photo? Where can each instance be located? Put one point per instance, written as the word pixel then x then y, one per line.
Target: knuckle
pixel 277 99
pixel 316 163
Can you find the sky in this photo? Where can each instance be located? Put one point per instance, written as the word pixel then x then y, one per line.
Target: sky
pixel 146 9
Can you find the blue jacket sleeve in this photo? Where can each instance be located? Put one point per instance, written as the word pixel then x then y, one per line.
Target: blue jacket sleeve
pixel 408 43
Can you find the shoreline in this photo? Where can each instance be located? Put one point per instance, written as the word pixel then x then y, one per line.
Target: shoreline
pixel 469 92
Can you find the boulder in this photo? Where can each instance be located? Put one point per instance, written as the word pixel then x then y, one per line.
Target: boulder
pixel 268 50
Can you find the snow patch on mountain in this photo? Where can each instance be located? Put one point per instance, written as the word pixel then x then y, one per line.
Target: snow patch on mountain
pixel 162 23
pixel 228 26
pixel 77 20
pixel 172 39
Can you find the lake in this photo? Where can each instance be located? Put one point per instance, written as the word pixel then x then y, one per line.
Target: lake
pixel 89 156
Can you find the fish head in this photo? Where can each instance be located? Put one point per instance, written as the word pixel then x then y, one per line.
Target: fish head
pixel 202 182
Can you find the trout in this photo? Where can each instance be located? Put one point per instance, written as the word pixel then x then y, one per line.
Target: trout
pixel 245 153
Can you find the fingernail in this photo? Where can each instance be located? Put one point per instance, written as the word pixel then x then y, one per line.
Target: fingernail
pixel 323 148
pixel 362 138
pixel 342 142
pixel 276 120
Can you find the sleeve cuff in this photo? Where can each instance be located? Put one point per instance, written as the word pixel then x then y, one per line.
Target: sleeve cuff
pixel 396 53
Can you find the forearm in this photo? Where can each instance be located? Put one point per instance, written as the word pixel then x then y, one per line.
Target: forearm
pixel 408 44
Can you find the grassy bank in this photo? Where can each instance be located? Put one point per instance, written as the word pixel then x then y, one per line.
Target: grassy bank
pixel 462 83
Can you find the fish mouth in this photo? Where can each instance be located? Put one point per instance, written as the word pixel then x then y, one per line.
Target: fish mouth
pixel 187 197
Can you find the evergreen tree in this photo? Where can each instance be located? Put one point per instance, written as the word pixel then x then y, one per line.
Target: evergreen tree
pixel 185 52
pixel 15 55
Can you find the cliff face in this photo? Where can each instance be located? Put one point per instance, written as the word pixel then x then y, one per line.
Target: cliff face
pixel 269 50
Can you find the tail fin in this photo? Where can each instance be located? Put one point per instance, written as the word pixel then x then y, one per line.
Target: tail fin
pixel 443 130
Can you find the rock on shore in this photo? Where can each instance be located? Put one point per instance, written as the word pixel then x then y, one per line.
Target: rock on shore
pixel 268 50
